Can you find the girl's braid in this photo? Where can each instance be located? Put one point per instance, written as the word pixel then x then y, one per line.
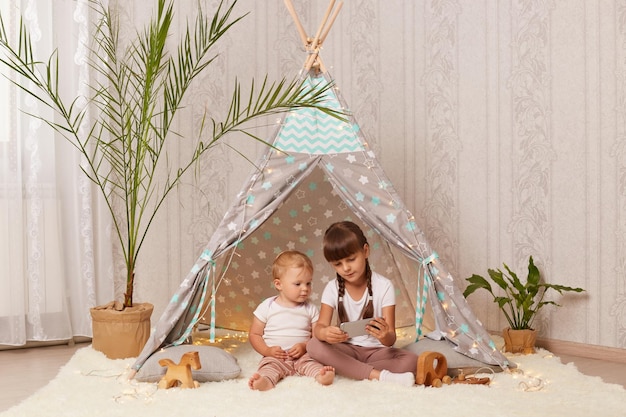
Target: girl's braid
pixel 341 311
pixel 368 310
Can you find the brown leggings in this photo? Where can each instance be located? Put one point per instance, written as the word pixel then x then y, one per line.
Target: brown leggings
pixel 357 362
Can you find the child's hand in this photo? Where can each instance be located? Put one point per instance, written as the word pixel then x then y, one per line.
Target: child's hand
pixel 277 352
pixel 380 329
pixel 335 335
pixel 297 350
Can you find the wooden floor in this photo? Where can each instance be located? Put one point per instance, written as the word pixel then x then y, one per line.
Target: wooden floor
pixel 25 371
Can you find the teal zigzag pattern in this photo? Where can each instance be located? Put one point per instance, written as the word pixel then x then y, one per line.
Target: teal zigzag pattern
pixel 314 132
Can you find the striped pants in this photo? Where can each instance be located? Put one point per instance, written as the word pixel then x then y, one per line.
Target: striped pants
pixel 276 369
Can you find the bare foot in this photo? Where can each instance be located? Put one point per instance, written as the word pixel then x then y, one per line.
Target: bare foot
pixel 260 383
pixel 326 375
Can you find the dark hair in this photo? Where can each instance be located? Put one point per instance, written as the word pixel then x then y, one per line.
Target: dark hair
pixel 341 240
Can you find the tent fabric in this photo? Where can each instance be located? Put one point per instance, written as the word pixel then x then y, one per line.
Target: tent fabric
pixel 319 170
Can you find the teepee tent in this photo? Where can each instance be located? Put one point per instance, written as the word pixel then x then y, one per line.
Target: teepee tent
pixel 319 170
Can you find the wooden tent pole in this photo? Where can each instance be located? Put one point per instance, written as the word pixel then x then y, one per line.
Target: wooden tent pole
pixel 303 36
pixel 316 44
pixel 329 9
pixel 330 24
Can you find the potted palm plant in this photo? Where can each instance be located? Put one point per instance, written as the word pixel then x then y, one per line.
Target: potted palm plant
pixel 123 147
pixel 520 303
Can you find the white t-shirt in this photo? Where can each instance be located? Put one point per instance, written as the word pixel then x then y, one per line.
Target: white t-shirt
pixel 286 326
pixel 383 295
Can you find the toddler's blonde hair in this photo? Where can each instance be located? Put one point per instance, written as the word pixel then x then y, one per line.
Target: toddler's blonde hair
pixel 290 259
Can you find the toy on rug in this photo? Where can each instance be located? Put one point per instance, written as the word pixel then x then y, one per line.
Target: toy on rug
pixel 180 374
pixel 463 379
pixel 431 369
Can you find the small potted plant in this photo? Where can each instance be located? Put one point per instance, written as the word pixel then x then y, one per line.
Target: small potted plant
pixel 520 303
pixel 139 87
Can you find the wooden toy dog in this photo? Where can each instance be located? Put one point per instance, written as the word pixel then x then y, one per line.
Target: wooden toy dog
pixel 180 374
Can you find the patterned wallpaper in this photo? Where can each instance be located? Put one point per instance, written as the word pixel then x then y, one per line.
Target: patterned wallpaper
pixel 501 123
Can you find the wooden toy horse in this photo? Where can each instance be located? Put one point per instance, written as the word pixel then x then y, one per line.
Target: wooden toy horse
pixel 180 374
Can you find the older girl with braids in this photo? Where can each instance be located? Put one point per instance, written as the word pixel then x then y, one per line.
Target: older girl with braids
pixel 358 293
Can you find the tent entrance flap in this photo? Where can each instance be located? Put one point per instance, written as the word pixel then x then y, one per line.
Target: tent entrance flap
pixel 299 223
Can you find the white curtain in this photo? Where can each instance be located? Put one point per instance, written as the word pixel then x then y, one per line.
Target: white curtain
pixel 55 251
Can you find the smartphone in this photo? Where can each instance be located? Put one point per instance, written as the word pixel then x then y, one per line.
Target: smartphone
pixel 355 328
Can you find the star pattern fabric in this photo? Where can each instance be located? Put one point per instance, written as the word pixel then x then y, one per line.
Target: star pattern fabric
pixel 319 171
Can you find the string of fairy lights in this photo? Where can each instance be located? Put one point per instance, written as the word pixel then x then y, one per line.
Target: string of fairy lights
pixel 455 331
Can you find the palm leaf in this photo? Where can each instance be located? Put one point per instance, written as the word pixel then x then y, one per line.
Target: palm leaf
pixel 138 94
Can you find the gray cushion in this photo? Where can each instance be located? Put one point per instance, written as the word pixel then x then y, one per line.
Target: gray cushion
pixel 456 361
pixel 217 364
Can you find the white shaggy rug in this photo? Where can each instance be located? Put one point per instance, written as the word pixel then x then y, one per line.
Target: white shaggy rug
pixel 92 385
